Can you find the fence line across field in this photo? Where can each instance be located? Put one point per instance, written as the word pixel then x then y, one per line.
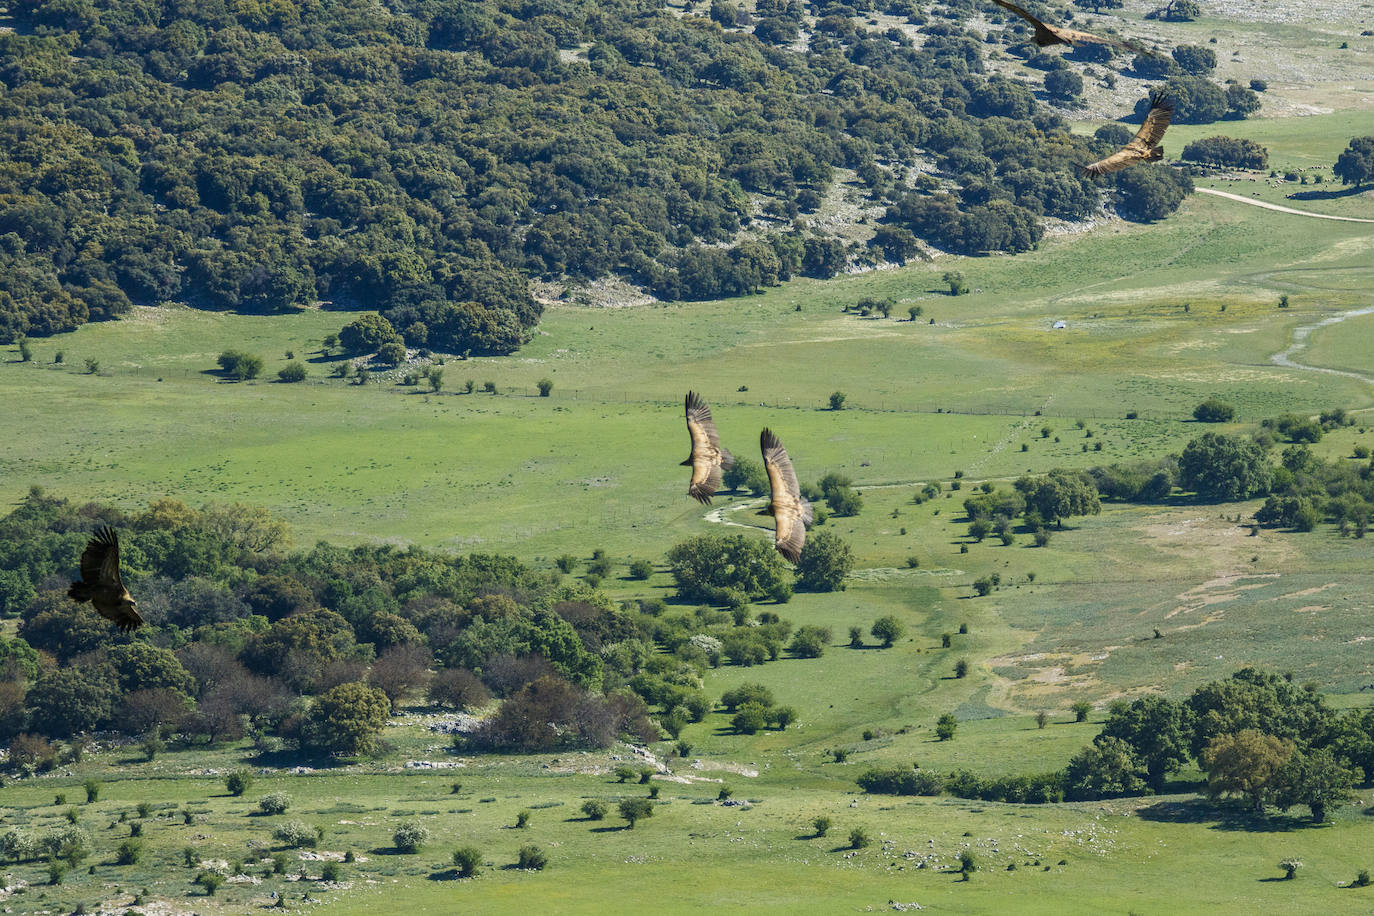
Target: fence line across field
pixel 626 397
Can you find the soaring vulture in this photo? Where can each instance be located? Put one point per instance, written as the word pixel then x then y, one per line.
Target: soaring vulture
pixel 1046 34
pixel 790 510
pixel 100 583
pixel 708 456
pixel 1143 147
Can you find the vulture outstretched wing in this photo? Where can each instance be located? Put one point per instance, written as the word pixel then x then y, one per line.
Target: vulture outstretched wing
pixel 790 510
pixel 1046 34
pixel 709 458
pixel 101 584
pixel 1143 147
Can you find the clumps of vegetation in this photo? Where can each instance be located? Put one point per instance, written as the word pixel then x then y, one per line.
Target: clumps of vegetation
pixel 859 838
pixel 532 858
pixel 411 836
pixel 274 803
pixel 240 366
pixel 594 809
pixel 296 834
pixel 238 782
pixel 1227 152
pixel 467 859
pixel 1214 410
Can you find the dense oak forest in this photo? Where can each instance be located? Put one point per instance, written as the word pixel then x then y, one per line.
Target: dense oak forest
pixel 427 159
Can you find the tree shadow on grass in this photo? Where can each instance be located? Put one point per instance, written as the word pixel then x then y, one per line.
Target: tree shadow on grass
pixel 447 874
pixel 1222 817
pixel 610 828
pixel 1325 195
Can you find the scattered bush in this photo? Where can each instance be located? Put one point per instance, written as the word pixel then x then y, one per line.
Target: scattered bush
pixel 467 859
pixel 274 803
pixel 858 838
pixel 238 782
pixel 594 809
pixel 532 857
pixel 411 837
pixel 295 834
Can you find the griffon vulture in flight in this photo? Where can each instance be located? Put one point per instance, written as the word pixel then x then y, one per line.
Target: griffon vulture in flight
pixel 708 456
pixel 1143 147
pixel 790 510
pixel 100 583
pixel 1046 34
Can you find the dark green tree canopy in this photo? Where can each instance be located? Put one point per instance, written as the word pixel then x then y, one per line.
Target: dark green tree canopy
pixel 1355 165
pixel 708 567
pixel 1222 468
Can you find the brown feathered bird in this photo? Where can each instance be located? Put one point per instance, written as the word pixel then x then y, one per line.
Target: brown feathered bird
pixel 790 510
pixel 1046 34
pixel 1143 147
pixel 100 583
pixel 709 458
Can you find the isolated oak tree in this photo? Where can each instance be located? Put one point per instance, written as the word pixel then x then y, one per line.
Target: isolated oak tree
pixel 1356 164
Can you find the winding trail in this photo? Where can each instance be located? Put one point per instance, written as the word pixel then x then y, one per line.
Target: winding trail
pixel 1285 356
pixel 1268 206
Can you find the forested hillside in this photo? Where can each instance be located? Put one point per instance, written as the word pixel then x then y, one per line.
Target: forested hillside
pixel 426 159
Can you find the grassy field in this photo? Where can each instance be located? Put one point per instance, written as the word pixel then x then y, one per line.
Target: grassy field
pixel 1159 317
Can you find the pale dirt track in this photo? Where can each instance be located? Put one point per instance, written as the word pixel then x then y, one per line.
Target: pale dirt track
pixel 1281 209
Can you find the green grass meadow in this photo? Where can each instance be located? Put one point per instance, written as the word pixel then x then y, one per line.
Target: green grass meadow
pixel 1159 317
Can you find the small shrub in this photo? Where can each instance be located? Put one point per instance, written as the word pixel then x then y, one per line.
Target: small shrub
pixel 210 882
pixel 295 834
pixel 946 726
pixel 274 803
pixel 466 859
pixel 545 386
pixel 1042 718
pixel 135 829
pixel 1081 709
pixel 330 872
pixel 522 820
pixel 821 825
pixel 594 809
pixel 238 782
pixel 292 372
pixel 489 387
pixel 532 857
pixel 1290 867
pixel 967 864
pixel 641 569
pixel 128 852
pixel 190 856
pixel 840 754
pixel 92 790
pixel 1362 879
pixel 858 838
pixel 92 366
pixel 837 400
pixel 724 793
pixel 411 837
pixel 961 668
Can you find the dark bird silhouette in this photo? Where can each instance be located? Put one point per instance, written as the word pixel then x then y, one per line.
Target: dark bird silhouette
pixel 1143 147
pixel 1046 34
pixel 790 510
pixel 709 458
pixel 100 583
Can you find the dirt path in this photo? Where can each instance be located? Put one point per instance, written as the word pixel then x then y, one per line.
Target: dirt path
pixel 1285 357
pixel 1269 206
